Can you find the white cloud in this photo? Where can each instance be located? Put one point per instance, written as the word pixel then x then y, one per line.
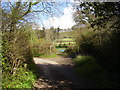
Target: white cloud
pixel 65 21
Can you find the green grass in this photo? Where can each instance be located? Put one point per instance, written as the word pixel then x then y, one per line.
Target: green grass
pixel 50 56
pixel 25 76
pixel 23 79
pixel 86 66
pixel 59 49
pixel 69 41
pixel 46 56
pixel 58 43
pixel 36 55
pixel 65 39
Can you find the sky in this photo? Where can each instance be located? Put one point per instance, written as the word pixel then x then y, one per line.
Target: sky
pixel 61 16
pixel 62 19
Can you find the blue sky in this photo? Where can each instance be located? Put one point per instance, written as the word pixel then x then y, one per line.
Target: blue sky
pixel 58 10
pixel 60 16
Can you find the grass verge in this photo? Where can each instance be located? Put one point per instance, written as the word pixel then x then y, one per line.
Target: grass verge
pixel 86 66
pixel 25 76
pixel 23 79
pixel 46 56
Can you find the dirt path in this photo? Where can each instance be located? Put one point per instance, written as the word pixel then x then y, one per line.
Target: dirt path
pixel 59 73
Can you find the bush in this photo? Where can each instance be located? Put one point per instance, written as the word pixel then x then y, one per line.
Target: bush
pixel 42 47
pixel 72 50
pixel 22 79
pixel 104 47
pixel 17 60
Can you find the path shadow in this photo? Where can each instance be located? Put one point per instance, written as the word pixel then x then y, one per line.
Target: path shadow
pixel 63 77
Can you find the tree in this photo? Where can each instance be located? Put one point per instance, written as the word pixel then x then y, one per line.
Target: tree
pixel 17 11
pixel 16 46
pixel 14 13
pixel 40 33
pixel 100 14
pixel 106 36
pixel 51 34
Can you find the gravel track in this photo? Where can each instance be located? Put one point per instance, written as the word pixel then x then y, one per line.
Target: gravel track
pixel 59 74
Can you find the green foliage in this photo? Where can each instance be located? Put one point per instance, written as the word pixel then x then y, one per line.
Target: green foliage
pixel 72 51
pixel 106 17
pixel 59 49
pixel 40 33
pixel 64 43
pixel 42 42
pixel 65 39
pixel 22 79
pixel 19 70
pixel 103 42
pixel 52 34
pixel 86 66
pixel 16 46
pixel 49 56
pixel 61 46
pixel 42 47
pixel 97 16
pixel 102 45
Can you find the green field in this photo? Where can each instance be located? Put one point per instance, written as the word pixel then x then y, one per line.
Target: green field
pixel 65 41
